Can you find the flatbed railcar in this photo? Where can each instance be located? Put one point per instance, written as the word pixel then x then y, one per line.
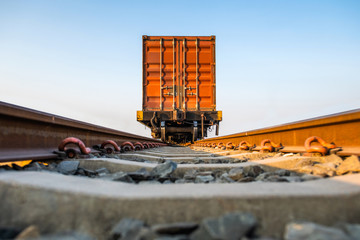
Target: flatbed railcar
pixel 179 87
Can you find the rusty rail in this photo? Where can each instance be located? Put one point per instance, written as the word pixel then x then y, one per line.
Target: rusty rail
pixel 27 134
pixel 342 129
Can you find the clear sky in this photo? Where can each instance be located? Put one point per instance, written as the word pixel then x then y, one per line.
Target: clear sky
pixel 277 61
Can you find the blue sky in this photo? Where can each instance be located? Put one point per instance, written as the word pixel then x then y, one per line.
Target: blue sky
pixel 277 61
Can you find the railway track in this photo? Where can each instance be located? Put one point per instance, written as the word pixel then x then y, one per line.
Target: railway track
pixel 204 191
pixel 308 136
pixel 27 134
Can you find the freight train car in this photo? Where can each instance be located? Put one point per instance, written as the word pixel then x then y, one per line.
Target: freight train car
pixel 179 87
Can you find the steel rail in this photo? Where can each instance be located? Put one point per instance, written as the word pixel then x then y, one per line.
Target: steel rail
pixel 27 134
pixel 343 129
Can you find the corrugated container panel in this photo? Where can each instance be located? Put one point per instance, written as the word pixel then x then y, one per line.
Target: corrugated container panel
pixel 179 63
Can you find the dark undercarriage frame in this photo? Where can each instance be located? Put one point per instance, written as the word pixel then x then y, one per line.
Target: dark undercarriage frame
pixel 179 126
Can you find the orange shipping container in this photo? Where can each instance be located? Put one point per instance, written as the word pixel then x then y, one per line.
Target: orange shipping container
pixel 179 73
pixel 179 87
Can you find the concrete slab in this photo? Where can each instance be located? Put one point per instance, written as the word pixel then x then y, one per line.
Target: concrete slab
pixel 116 165
pixel 160 154
pixel 56 202
pixel 171 152
pixel 184 158
pixel 269 165
pixel 218 151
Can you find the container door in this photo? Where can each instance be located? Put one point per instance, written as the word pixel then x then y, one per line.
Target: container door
pixel 159 74
pixel 197 74
pixel 179 73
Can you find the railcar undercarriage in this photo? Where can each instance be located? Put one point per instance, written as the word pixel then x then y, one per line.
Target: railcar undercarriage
pixel 179 126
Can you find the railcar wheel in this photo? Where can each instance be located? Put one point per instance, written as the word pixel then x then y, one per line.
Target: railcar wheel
pixel 195 132
pixel 163 135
